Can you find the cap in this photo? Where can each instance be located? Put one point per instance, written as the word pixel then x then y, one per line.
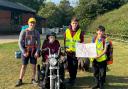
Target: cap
pixel 31 20
pixel 51 34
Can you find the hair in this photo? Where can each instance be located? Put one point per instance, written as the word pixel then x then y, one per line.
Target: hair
pixel 51 34
pixel 74 19
pixel 101 28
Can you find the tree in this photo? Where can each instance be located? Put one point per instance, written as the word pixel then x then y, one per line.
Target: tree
pixel 57 16
pixel 66 12
pixel 88 10
pixel 50 12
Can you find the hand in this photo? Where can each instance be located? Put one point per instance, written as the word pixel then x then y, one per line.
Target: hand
pixel 97 56
pixel 62 58
pixel 36 55
pixel 78 58
pixel 25 54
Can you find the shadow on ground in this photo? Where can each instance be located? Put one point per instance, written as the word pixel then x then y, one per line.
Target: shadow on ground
pixel 112 82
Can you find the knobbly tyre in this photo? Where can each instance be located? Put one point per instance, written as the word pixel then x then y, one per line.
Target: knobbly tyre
pixel 51 74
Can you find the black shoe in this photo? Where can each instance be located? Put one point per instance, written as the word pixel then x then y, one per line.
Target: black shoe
pixel 104 81
pixel 71 82
pixel 19 83
pixel 95 87
pixel 101 86
pixel 33 81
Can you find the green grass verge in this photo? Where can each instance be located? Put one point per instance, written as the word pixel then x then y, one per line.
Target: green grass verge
pixel 115 22
pixel 117 77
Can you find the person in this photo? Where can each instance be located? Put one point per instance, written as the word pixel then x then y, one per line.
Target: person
pixel 29 44
pixel 53 44
pixel 72 35
pixel 99 63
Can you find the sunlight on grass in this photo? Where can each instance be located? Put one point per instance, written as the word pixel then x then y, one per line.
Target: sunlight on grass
pixel 117 76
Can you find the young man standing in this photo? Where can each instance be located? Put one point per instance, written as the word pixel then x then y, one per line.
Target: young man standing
pixel 29 43
pixel 99 63
pixel 72 36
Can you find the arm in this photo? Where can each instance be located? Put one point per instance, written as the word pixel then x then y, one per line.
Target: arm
pixel 21 41
pixel 57 46
pixel 64 41
pixel 44 52
pixel 38 42
pixel 104 51
pixel 82 37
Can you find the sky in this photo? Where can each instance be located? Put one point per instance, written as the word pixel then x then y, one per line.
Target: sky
pixel 73 2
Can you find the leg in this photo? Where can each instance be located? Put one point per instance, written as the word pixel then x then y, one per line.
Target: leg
pixel 33 71
pixel 70 65
pixel 22 71
pixel 61 70
pixel 102 73
pixel 47 70
pixel 87 64
pixel 74 68
pixel 96 74
pixel 33 62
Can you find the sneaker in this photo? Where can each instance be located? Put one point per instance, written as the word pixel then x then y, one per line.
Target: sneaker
pixel 33 81
pixel 19 83
pixel 95 87
pixel 101 86
pixel 104 81
pixel 71 82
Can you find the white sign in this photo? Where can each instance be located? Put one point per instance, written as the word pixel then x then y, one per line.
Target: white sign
pixel 86 50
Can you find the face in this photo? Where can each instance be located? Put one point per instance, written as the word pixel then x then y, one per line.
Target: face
pixel 31 25
pixel 100 33
pixel 51 39
pixel 74 25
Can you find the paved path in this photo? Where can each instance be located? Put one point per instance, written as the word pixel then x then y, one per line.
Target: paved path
pixel 14 38
pixel 8 38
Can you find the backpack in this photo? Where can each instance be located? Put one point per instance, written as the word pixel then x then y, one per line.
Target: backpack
pixel 109 51
pixel 24 27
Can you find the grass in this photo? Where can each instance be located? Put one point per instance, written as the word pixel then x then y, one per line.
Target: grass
pixel 117 77
pixel 115 22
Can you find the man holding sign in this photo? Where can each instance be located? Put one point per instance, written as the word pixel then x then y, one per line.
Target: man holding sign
pixel 72 36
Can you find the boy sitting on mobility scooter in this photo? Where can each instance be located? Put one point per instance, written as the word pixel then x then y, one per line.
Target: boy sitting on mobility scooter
pixel 50 46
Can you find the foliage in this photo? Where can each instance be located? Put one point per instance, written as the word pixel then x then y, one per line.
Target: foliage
pixel 90 9
pixel 115 22
pixel 57 16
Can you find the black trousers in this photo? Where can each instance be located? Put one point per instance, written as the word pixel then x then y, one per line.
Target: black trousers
pixel 72 66
pixel 99 71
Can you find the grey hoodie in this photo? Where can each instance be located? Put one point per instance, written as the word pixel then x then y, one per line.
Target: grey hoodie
pixel 35 39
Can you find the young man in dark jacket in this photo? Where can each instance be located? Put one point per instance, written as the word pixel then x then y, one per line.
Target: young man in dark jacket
pixel 72 35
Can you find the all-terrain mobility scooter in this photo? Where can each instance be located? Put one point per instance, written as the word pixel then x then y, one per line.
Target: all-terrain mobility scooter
pixel 51 74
